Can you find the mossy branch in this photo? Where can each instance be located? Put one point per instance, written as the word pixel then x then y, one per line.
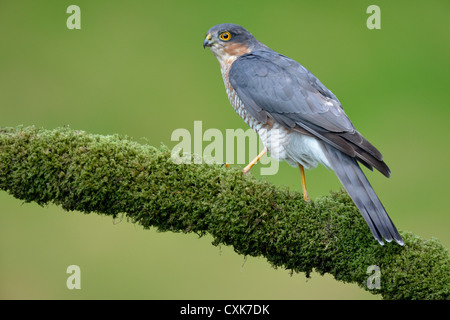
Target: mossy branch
pixel 112 174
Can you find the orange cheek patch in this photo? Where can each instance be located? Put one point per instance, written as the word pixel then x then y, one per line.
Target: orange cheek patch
pixel 236 49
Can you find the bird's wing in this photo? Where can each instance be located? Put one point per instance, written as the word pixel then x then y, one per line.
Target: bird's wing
pixel 272 85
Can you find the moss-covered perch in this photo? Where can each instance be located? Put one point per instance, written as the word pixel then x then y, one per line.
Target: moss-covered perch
pixel 111 175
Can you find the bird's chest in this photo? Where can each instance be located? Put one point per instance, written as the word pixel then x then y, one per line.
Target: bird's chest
pixel 234 98
pixel 274 136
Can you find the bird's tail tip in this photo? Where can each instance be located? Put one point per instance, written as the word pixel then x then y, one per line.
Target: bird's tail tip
pixel 398 240
pixel 364 197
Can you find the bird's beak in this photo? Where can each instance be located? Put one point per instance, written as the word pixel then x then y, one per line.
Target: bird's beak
pixel 208 41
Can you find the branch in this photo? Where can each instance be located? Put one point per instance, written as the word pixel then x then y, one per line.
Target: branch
pixel 112 175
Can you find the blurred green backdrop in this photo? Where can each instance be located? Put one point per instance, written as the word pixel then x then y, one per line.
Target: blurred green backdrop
pixel 138 68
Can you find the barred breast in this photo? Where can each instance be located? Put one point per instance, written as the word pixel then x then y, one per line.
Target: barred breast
pixel 273 136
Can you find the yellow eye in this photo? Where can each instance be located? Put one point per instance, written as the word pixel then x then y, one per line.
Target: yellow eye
pixel 225 36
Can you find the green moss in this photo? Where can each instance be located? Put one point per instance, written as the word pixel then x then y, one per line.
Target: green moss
pixel 112 174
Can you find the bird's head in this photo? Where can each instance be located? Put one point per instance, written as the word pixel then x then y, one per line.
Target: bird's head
pixel 229 40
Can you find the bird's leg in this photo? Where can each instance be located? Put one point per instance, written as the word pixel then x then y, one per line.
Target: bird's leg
pixel 305 192
pixel 254 161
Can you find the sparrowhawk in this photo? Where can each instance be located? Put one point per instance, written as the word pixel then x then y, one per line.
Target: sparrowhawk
pixel 298 119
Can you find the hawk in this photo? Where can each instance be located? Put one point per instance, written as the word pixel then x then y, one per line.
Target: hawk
pixel 298 119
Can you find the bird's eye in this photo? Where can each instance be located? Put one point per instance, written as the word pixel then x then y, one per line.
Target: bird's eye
pixel 225 36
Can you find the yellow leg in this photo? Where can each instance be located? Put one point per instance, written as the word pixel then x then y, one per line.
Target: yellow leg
pixel 305 192
pixel 251 164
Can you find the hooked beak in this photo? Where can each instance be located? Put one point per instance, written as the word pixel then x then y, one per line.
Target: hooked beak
pixel 208 41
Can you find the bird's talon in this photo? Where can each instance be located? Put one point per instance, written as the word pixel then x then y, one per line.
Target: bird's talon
pixel 306 198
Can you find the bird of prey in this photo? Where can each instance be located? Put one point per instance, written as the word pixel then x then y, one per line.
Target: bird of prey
pixel 298 119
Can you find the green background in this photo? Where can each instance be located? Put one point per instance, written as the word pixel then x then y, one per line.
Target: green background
pixel 138 68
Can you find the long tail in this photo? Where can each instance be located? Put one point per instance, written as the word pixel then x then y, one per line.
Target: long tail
pixel 363 195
